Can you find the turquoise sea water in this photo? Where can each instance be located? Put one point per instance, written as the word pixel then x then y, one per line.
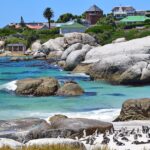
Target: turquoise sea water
pixel 101 100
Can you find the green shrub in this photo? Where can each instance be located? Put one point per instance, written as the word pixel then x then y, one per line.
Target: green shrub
pixel 99 29
pixel 52 31
pixel 13 40
pixel 7 32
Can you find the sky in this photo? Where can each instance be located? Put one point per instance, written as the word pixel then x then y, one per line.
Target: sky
pixel 32 10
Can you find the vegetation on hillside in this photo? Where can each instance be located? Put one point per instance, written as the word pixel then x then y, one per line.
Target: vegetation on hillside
pixel 28 36
pixel 106 30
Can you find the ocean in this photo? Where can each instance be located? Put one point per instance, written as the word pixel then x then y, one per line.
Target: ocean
pixel 101 100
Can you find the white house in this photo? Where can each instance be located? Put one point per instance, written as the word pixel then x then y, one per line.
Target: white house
pixel 123 11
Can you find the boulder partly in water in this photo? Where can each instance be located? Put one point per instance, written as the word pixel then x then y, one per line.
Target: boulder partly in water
pixel 135 110
pixel 37 87
pixel 70 89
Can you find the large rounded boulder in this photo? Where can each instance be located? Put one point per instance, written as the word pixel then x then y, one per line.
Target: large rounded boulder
pixel 37 87
pixel 77 125
pixel 70 89
pixel 76 57
pixel 135 110
pixel 70 49
pixel 36 45
pixel 121 63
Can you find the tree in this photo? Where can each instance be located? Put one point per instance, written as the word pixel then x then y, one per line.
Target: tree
pixel 107 20
pixel 65 17
pixel 22 23
pixel 48 14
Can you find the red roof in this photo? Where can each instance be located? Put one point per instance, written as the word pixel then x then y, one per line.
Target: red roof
pixel 37 27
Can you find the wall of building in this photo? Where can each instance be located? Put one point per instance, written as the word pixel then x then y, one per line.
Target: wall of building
pixel 63 31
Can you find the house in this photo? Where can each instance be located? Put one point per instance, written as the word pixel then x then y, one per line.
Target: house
pixel 16 47
pixel 147 13
pixel 123 11
pixel 134 19
pixel 93 14
pixel 74 27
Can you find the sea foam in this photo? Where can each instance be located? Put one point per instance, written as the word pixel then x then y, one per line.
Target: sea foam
pixel 102 114
pixel 11 86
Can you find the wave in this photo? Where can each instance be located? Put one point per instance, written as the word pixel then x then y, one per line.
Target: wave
pixel 102 114
pixel 78 74
pixel 10 86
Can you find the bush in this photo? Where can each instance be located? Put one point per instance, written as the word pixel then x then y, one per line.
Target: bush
pixel 7 32
pixel 52 31
pixel 99 29
pixel 13 40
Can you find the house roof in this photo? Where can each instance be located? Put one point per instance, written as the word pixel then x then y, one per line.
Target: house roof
pixel 36 27
pixel 74 25
pixel 135 19
pixel 124 8
pixel 94 8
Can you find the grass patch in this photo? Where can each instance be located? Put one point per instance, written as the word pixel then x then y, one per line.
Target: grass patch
pixel 46 147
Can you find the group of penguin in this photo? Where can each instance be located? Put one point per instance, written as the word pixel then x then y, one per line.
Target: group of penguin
pixel 120 137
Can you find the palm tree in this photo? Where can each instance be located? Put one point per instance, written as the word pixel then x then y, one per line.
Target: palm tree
pixel 48 14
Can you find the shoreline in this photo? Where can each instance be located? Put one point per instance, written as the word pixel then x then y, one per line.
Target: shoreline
pixel 117 125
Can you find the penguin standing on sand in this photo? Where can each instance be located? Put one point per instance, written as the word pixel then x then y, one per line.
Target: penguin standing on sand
pixel 84 133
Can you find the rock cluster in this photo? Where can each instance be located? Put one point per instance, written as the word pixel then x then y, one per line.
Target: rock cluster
pixel 61 43
pixel 72 48
pixel 47 86
pixel 24 130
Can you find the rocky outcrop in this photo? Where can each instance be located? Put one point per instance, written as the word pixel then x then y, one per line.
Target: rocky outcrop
pixel 79 124
pixel 19 124
pixel 24 130
pixel 62 43
pixel 121 63
pixel 36 45
pixel 135 110
pixel 47 86
pixel 70 89
pixel 64 127
pixel 37 87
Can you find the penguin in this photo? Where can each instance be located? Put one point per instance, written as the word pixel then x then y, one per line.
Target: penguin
pixel 105 141
pixel 84 133
pixel 77 138
pixel 96 133
pixel 115 139
pixel 119 143
pixel 133 131
pixel 135 137
pixel 125 139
